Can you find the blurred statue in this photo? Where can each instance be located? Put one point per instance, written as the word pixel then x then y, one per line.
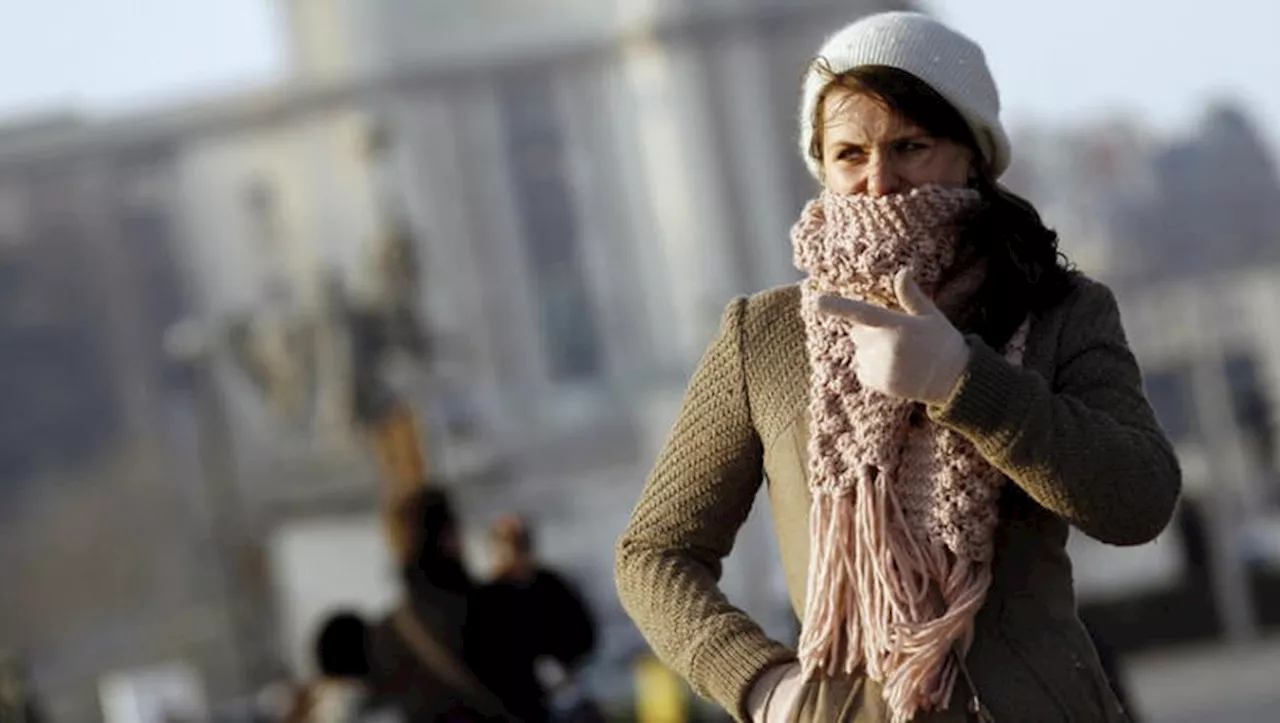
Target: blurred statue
pixel 388 321
pixel 328 368
pixel 275 353
pixel 274 342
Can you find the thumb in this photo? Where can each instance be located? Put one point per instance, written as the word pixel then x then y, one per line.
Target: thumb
pixel 760 696
pixel 787 695
pixel 911 296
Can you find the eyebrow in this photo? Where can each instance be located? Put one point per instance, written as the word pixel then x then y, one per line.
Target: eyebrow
pixel 914 135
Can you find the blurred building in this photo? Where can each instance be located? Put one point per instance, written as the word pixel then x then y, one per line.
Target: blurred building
pixel 587 185
pixel 105 538
pixel 590 184
pixel 579 176
pixel 1136 208
pixel 1084 181
pixel 1217 201
pixel 1222 323
pixel 144 467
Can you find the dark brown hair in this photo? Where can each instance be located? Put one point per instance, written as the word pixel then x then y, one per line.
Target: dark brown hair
pixel 433 561
pixel 342 647
pixel 1026 271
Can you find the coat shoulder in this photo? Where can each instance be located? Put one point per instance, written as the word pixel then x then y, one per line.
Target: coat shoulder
pixel 767 310
pixel 1087 294
pixel 774 358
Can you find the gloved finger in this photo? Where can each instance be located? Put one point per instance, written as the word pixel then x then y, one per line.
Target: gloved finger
pixel 910 295
pixel 860 312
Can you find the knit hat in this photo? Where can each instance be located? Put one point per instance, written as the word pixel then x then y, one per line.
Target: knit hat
pixel 952 64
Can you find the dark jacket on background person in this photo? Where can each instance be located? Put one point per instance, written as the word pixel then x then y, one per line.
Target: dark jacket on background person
pixel 527 619
pixel 443 599
pixel 403 680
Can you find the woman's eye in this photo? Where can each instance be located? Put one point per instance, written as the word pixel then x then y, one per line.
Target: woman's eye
pixel 849 154
pixel 912 146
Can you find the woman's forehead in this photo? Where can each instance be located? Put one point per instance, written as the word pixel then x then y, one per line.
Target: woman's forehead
pixel 850 113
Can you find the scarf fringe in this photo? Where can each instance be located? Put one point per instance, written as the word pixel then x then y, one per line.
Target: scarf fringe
pixel 873 600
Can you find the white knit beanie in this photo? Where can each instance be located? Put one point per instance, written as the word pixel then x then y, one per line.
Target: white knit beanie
pixel 949 62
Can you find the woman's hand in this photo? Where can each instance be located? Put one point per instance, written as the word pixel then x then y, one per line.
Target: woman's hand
pixel 916 354
pixel 776 692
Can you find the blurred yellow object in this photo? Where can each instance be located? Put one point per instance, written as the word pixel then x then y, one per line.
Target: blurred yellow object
pixel 400 454
pixel 398 449
pixel 660 694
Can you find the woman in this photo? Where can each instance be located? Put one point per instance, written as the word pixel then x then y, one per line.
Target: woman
pixel 932 406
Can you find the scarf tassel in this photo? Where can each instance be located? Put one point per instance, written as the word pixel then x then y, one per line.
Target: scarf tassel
pixel 872 601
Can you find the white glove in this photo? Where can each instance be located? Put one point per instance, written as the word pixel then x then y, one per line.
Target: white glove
pixel 917 355
pixel 775 693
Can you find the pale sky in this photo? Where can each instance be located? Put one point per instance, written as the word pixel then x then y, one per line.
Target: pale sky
pixel 1159 60
pixel 115 54
pixel 1055 61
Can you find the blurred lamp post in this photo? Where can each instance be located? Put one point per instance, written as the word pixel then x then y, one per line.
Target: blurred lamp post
pixel 190 343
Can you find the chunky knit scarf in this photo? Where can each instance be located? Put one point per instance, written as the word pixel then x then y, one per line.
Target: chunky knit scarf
pixel 904 510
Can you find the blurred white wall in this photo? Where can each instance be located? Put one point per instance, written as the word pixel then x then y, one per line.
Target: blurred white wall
pixel 320 565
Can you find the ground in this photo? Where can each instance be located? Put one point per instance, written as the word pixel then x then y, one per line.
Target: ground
pixel 1220 683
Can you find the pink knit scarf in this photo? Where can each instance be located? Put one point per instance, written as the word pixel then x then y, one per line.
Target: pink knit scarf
pixel 904 510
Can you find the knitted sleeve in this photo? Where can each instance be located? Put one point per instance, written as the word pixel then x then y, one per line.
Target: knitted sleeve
pixel 1086 446
pixel 697 497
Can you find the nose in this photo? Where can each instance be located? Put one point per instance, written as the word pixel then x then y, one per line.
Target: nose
pixel 882 178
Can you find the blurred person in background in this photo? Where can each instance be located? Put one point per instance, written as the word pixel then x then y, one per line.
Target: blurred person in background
pixel 549 637
pixel 432 657
pixel 17 696
pixel 932 406
pixel 343 691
